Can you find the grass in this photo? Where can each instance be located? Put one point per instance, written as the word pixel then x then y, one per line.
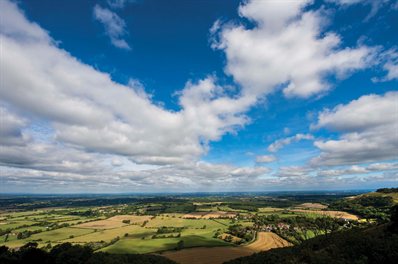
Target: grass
pixel 191 238
pixel 108 234
pixel 164 220
pixel 16 224
pixel 52 236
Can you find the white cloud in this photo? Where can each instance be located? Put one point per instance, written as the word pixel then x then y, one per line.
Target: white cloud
pixel 355 169
pixel 11 127
pixel 104 134
pixel 280 143
pixel 118 4
pixel 368 128
pixel 198 176
pixel 375 5
pixel 389 59
pixel 88 110
pixel 115 27
pixel 265 158
pixel 346 2
pixel 293 171
pixel 287 47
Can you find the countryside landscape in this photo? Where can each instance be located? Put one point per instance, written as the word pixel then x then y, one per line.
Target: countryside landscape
pixel 210 228
pixel 198 132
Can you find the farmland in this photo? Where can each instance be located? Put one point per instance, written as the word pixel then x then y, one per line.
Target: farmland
pixel 264 241
pixel 179 228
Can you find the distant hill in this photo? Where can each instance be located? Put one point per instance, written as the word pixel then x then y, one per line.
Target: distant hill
pixel 373 205
pixel 384 192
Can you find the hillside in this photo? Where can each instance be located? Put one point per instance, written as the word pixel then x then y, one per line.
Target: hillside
pixel 374 205
pixel 354 246
pixel 384 192
pixel 375 244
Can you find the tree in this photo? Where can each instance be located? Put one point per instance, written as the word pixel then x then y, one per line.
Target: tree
pixel 180 245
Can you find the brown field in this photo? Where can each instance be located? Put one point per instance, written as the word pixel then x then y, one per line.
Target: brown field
pixel 266 241
pixel 208 215
pixel 115 221
pixel 218 255
pixel 312 206
pixel 335 214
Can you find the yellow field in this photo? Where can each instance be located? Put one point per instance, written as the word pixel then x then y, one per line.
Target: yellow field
pixel 335 214
pixel 218 255
pixel 163 220
pixel 115 221
pixel 266 241
pixel 109 234
pixel 315 206
pixel 269 209
pixel 208 215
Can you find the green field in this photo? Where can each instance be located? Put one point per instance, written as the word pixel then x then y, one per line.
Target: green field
pixel 133 238
pixel 165 228
pixel 191 238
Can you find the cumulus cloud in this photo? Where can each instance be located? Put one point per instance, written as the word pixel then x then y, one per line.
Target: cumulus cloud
pixel 375 5
pixel 287 47
pixel 11 126
pixel 87 109
pixel 355 169
pixel 200 176
pixel 265 158
pixel 368 128
pixel 104 134
pixel 389 59
pixel 280 143
pixel 115 27
pixel 293 171
pixel 118 4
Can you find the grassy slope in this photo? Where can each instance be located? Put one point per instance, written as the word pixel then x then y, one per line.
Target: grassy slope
pixel 191 238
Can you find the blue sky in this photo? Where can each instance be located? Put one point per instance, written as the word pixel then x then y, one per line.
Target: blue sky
pixel 154 96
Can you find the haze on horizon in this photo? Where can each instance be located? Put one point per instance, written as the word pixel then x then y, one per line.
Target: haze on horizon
pixel 198 96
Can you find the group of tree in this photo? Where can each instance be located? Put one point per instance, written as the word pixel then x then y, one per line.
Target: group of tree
pixel 372 245
pixel 73 254
pixel 297 229
pixel 27 233
pixel 168 229
pixel 387 190
pixel 367 206
pixel 245 233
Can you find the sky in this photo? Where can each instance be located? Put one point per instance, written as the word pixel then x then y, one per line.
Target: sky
pixel 125 96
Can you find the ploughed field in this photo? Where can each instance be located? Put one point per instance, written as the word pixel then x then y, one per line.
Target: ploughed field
pixel 217 255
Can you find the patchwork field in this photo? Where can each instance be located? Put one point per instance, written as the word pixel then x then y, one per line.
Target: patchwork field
pixel 184 231
pixel 218 255
pixel 108 234
pixel 178 221
pixel 56 235
pixel 115 221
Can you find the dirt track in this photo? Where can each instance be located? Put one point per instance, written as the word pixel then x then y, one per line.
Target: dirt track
pixel 218 255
